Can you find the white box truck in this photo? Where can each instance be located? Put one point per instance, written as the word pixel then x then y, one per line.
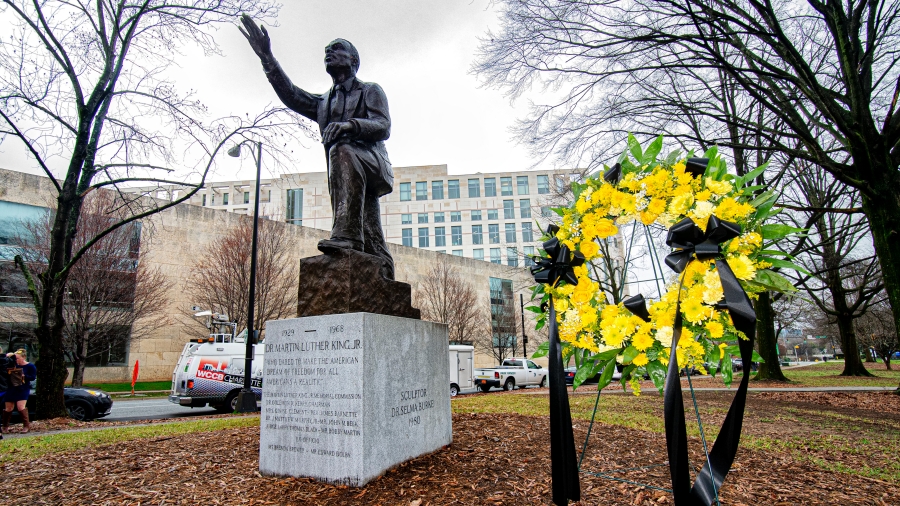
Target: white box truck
pixel 462 376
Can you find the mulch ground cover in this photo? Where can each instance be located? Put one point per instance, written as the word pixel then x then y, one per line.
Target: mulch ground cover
pixel 494 459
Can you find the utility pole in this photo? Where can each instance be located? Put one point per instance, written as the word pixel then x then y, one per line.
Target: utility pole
pixel 524 337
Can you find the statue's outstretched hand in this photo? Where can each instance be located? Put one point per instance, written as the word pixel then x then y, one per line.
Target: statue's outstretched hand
pixel 257 36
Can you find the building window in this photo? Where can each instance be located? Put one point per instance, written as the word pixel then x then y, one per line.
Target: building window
pixel 522 184
pixel 506 186
pixel 493 214
pixel 224 199
pixel 478 254
pixel 476 215
pixel 423 237
pixel 437 190
pixel 406 219
pixel 512 257
pixel 503 315
pixel 440 240
pixel 495 256
pixel 407 236
pixel 561 184
pixel 295 206
pixel 422 190
pixel 474 188
pixel 204 200
pixel 525 208
pixel 456 236
pixel 546 212
pixel 405 191
pixel 246 197
pixel 529 252
pixel 527 234
pixel 423 217
pixel 509 212
pixel 543 185
pixel 490 187
pixel 476 234
pixel 494 233
pixel 510 233
pixel 456 216
pixel 438 217
pixel 457 253
pixel 453 188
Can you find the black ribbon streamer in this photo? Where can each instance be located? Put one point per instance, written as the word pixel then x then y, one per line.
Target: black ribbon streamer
pixel 692 243
pixel 563 461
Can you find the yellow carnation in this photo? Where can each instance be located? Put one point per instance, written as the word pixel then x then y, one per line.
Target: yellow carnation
pixel 743 267
pixel 694 310
pixel 715 329
pixel 640 360
pixel 642 341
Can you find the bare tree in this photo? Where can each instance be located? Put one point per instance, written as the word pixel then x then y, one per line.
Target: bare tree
pixel 877 331
pixel 88 80
pixel 221 274
pixel 823 76
pixel 445 296
pixel 110 289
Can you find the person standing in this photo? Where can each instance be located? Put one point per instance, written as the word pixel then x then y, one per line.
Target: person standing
pixel 5 363
pixel 21 374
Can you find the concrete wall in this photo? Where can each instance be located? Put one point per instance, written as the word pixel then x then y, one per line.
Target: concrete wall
pixel 174 238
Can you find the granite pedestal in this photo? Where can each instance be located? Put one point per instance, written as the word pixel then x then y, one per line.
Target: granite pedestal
pixel 346 397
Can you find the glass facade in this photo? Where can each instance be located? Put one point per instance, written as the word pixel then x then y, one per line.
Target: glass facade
pixel 423 217
pixel 440 240
pixel 294 206
pixel 456 216
pixel 405 191
pixel 494 233
pixel 476 234
pixel 510 233
pixel 527 234
pixel 512 257
pixel 495 256
pixel 474 188
pixel 422 190
pixel 423 237
pixel 438 217
pixel 503 314
pixel 493 214
pixel 509 210
pixel 490 187
pixel 476 215
pixel 506 186
pixel 525 208
pixel 453 188
pixel 522 184
pixel 406 235
pixel 456 236
pixel 406 219
pixel 478 254
pixel 543 185
pixel 437 190
pixel 529 252
pixel 225 199
pixel 246 197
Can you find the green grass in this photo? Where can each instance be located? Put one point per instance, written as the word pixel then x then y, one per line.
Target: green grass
pixel 126 387
pixel 825 374
pixel 35 446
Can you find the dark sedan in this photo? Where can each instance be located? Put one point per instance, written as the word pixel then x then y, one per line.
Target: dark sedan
pixel 84 404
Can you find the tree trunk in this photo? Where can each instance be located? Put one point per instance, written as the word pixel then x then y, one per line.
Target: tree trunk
pixel 869 357
pixel 767 341
pixel 887 362
pixel 883 211
pixel 853 365
pixel 79 357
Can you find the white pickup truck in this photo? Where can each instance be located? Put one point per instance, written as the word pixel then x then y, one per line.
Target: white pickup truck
pixel 513 372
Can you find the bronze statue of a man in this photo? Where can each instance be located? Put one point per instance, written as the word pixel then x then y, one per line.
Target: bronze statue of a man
pixel 354 122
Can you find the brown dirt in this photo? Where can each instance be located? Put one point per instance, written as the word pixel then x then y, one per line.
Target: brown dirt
pixel 494 459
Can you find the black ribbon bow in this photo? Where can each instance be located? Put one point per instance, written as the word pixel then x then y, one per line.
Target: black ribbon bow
pixel 692 243
pixel 563 462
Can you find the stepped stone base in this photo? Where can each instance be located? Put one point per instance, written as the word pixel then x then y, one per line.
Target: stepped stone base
pixel 349 281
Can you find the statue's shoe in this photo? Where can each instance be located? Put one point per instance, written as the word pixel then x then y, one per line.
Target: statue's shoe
pixel 334 244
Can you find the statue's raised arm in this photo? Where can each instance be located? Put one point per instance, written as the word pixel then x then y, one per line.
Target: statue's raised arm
pixel 257 36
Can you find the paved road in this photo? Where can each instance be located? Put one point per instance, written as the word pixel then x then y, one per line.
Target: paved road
pixel 151 409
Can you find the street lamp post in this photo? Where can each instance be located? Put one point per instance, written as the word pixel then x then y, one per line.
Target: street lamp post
pixel 524 336
pixel 246 399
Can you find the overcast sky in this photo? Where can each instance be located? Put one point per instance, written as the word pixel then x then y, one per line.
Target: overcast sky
pixel 419 51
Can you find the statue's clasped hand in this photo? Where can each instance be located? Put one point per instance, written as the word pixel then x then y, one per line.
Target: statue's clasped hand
pixel 335 131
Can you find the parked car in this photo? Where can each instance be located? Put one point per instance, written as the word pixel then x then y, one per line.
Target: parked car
pixel 84 404
pixel 570 375
pixel 737 364
pixel 512 373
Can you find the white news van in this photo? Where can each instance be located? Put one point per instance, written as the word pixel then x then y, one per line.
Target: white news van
pixel 461 370
pixel 211 371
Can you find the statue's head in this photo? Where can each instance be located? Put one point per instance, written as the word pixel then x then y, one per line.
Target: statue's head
pixel 341 53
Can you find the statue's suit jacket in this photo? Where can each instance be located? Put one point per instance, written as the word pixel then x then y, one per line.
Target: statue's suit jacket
pixel 367 109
